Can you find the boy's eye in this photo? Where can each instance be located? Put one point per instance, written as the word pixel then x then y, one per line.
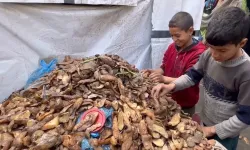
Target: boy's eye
pixel 175 35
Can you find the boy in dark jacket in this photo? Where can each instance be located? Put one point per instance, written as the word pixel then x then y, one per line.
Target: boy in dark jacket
pixel 225 70
pixel 180 57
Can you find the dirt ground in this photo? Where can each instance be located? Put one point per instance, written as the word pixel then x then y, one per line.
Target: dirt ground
pixel 246 133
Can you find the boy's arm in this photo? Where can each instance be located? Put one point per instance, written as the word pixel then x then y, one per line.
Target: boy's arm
pixel 160 71
pixel 194 60
pixel 165 57
pixel 168 80
pixel 191 63
pixel 153 71
pixel 192 76
pixel 241 120
pixel 157 77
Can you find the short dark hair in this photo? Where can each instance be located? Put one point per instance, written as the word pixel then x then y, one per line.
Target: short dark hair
pixel 182 20
pixel 227 26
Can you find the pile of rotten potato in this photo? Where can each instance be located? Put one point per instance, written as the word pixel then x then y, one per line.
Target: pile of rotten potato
pixel 44 116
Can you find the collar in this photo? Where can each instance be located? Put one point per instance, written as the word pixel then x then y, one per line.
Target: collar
pixel 195 42
pixel 235 62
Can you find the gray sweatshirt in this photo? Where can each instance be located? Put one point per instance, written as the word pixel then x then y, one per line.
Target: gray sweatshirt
pixel 226 95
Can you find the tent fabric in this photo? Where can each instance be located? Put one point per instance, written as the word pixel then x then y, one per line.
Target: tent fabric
pixel 32 32
pixel 89 2
pixel 163 12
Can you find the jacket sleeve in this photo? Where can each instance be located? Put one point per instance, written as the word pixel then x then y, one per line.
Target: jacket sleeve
pixel 193 60
pixel 234 125
pixel 193 75
pixel 165 57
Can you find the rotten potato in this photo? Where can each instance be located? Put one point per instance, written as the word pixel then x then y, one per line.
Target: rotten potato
pixel 45 116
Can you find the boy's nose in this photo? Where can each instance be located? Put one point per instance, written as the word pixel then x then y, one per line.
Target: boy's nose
pixel 174 39
pixel 215 55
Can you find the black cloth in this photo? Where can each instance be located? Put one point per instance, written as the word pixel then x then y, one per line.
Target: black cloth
pixel 247 46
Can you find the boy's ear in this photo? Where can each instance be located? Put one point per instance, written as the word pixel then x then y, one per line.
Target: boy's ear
pixel 191 30
pixel 243 42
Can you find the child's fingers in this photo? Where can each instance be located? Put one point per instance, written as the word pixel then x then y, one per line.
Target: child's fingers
pixel 154 74
pixel 145 71
pixel 157 93
pixel 151 76
pixel 166 89
pixel 153 91
pixel 159 90
pixel 155 79
pixel 164 92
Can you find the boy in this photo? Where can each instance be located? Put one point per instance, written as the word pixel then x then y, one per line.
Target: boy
pixel 178 58
pixel 225 69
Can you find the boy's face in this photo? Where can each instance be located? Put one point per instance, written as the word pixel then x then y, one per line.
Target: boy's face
pixel 227 52
pixel 181 37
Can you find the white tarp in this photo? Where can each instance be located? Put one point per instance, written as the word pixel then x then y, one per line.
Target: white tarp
pixel 31 32
pixel 91 2
pixel 163 11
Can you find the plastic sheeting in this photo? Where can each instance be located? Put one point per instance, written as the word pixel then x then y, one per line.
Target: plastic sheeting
pixel 163 12
pixel 31 32
pixel 90 2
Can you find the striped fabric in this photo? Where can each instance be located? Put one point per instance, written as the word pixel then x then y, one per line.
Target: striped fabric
pixel 89 2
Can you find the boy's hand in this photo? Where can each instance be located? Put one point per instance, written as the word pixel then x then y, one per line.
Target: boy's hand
pixel 162 89
pixel 147 72
pixel 156 77
pixel 209 131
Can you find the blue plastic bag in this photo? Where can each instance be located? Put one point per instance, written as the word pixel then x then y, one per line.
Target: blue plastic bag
pixel 85 145
pixel 108 114
pixel 41 71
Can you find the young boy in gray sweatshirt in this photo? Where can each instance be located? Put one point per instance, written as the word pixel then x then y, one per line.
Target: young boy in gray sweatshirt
pixel 225 70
